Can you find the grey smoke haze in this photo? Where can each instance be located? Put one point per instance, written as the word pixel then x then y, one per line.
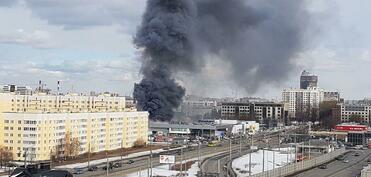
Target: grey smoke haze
pixel 257 39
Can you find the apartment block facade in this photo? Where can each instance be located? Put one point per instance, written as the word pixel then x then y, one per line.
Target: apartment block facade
pixel 37 125
pixel 252 111
pixel 302 102
pixel 363 113
pixel 70 103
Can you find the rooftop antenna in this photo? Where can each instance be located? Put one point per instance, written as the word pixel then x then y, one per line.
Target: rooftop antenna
pixel 58 87
pixel 40 83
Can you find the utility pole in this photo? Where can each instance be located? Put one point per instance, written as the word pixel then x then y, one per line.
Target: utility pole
pixel 51 159
pixel 309 147
pixel 25 157
pixel 230 149
pixel 199 155
pixel 263 161
pixel 181 161
pixel 89 156
pixel 218 167
pixel 150 159
pixel 251 145
pixel 274 162
pixel 107 165
pixel 279 141
pixel 148 166
pixel 241 144
pixel 122 151
pixel 296 149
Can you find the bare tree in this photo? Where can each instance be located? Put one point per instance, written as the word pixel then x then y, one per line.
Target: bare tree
pixel 139 143
pixel 75 147
pixel 5 156
pixel 71 146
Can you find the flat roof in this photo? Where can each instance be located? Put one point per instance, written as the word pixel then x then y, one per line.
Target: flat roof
pixel 189 126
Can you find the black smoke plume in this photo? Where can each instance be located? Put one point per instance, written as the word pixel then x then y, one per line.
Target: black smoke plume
pixel 165 36
pixel 258 39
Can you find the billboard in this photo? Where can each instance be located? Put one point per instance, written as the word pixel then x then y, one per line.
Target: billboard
pixel 167 159
pixel 351 128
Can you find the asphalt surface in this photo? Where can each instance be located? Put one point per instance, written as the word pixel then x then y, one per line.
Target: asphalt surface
pixel 339 168
pixel 210 165
pixel 142 163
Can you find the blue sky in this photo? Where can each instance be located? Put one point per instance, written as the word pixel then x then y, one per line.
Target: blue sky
pixel 87 44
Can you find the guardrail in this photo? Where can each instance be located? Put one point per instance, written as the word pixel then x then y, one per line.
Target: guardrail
pixel 299 166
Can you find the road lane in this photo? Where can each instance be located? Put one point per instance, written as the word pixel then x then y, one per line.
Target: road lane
pixel 339 168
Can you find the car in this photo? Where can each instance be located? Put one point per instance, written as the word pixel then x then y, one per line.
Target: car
pixel 93 168
pixel 78 171
pixel 356 154
pixel 110 166
pixel 117 165
pixel 369 160
pixel 323 166
pixel 130 162
pixel 340 157
pixel 345 161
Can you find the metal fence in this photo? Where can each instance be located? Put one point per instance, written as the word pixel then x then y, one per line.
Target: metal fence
pixel 299 166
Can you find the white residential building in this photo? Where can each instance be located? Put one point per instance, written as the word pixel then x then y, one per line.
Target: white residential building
pixel 302 101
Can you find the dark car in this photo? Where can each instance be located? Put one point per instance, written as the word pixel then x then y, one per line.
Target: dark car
pixel 323 166
pixel 117 165
pixel 93 168
pixel 130 162
pixel 340 157
pixel 356 154
pixel 110 166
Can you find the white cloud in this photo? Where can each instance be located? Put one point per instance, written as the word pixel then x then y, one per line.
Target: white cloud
pixel 114 75
pixel 36 38
pixel 72 14
pixel 366 56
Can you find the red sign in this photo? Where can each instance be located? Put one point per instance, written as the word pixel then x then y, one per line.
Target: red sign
pixel 351 127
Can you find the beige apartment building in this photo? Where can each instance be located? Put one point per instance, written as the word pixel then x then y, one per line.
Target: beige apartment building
pixel 37 124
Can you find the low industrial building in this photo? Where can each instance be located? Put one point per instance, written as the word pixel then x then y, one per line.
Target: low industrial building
pixel 218 128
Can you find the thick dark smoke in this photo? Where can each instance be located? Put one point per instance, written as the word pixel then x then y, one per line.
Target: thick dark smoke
pixel 258 39
pixel 165 36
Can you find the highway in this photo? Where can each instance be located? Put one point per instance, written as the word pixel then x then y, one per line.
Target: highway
pixel 142 163
pixel 210 165
pixel 339 168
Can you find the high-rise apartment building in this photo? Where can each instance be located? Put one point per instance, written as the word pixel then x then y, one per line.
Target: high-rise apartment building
pixel 303 103
pixel 40 125
pixel 308 80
